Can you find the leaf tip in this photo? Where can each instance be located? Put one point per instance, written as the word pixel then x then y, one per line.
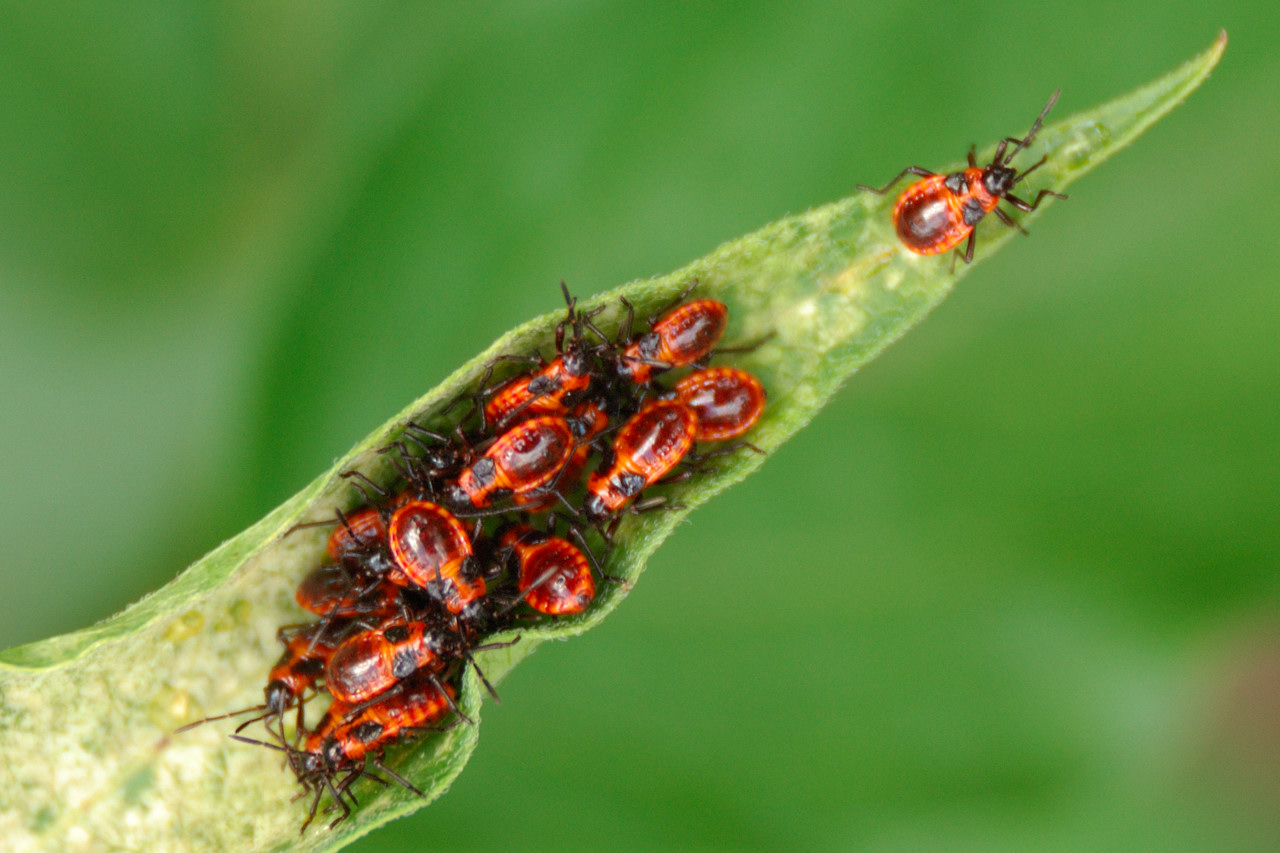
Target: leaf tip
pixel 1211 57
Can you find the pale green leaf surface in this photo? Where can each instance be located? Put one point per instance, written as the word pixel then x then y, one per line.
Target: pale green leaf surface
pixel 85 720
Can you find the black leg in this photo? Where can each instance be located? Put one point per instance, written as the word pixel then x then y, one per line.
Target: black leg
pixel 1024 206
pixel 591 327
pixel 346 809
pixel 653 318
pixel 1004 217
pixel 574 532
pixel 435 682
pixel 480 674
pixel 539 581
pixel 1036 165
pixel 685 475
pixel 419 430
pixel 305 525
pixel 910 170
pixel 199 723
pixel 967 257
pixel 366 773
pixel 396 776
pixel 359 482
pixel 311 814
pixel 655 504
pixel 724 451
pixel 624 330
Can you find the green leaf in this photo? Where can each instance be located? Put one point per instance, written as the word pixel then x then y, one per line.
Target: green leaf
pixel 85 719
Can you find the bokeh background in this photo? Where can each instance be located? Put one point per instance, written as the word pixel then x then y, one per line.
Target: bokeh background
pixel 1017 588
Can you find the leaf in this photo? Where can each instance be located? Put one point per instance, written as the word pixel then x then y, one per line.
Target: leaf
pixel 85 719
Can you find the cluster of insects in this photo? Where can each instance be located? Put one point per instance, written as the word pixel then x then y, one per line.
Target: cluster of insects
pixel 488 525
pixel 490 520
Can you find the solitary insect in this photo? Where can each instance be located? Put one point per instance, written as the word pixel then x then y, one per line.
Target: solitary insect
pixel 934 215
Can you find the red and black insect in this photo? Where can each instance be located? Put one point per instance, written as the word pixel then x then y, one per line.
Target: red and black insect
pixel 357 532
pixel 306 654
pixel 349 737
pixel 937 213
pixel 357 545
pixel 685 334
pixel 727 401
pixel 588 421
pixel 551 387
pixel 333 591
pixel 361 731
pixel 433 551
pixel 539 393
pixel 371 662
pixel 554 576
pixel 646 448
pixel 523 459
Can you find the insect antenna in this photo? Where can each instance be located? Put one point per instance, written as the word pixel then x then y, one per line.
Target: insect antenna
pixel 198 723
pixel 1035 128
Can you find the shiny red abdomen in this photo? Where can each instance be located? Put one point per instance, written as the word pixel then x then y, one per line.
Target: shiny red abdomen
pixel 727 401
pixel 928 217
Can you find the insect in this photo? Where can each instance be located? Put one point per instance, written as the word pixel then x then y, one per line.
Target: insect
pixel 650 444
pixel 727 401
pixel 555 577
pixel 588 421
pixel 330 590
pixel 542 392
pixel 356 532
pixel 939 212
pixel 525 458
pixel 685 334
pixel 306 652
pixel 432 550
pixel 416 578
pixel 549 389
pixel 372 661
pixel 434 456
pixel 347 738
pixel 358 548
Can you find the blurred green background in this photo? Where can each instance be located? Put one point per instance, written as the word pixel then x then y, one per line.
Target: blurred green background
pixel 1018 588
